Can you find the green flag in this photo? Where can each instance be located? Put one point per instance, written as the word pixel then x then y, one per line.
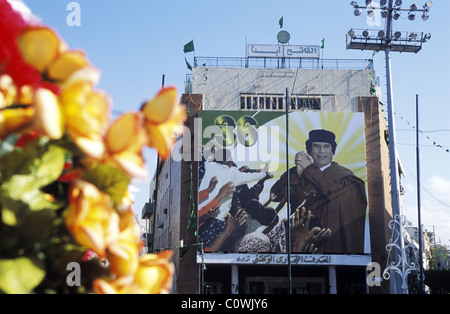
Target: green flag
pixel 189 46
pixel 323 43
pixel 188 65
pixel 281 22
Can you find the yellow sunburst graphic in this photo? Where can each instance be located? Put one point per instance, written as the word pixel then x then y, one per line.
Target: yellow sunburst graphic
pixel 347 126
pixel 271 149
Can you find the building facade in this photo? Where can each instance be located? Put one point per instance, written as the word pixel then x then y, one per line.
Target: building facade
pixel 247 105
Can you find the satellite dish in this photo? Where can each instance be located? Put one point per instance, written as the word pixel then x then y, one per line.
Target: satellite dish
pixel 283 37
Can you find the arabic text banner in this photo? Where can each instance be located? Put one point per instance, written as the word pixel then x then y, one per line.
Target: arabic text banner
pixel 284 51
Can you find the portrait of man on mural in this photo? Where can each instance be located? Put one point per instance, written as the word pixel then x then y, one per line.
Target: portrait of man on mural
pixel 332 195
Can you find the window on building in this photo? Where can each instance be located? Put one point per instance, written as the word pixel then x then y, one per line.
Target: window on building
pixel 277 102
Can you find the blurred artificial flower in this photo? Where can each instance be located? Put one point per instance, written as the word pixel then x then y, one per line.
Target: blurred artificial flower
pixel 66 64
pixel 39 46
pixel 123 254
pixel 124 141
pixel 164 118
pixel 86 113
pixel 155 272
pixel 49 117
pixel 90 218
pixel 154 275
pixel 48 90
pixel 16 108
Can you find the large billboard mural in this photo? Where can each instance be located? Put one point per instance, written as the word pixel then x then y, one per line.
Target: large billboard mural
pixel 257 191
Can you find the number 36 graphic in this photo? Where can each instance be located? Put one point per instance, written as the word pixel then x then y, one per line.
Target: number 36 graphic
pixel 243 131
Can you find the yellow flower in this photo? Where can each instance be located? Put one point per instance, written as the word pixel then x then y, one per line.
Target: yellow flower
pixel 16 108
pixel 90 219
pixel 123 254
pixel 66 64
pixel 124 141
pixel 86 112
pixel 39 46
pixel 155 272
pixel 49 118
pixel 153 276
pixel 164 117
pixel 121 285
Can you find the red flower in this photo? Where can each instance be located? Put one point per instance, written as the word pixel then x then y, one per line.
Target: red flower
pixel 11 61
pixel 26 137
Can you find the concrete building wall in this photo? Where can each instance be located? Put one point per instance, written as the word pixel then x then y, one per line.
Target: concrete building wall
pixel 338 89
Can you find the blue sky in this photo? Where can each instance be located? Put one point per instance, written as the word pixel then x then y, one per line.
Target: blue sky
pixel 135 42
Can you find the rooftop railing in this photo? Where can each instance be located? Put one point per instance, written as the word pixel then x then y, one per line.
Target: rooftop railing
pixel 283 63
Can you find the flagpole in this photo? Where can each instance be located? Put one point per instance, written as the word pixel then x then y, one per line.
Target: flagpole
pixel 323 48
pixel 421 279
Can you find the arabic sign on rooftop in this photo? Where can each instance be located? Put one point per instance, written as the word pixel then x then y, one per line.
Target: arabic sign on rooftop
pixel 285 51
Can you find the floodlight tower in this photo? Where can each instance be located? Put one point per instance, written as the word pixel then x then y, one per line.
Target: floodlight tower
pixel 388 41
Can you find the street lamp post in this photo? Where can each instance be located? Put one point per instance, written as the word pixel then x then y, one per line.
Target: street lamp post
pixel 388 41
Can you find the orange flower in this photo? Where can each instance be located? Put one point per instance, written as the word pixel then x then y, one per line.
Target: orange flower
pixel 124 141
pixel 153 276
pixel 90 218
pixel 164 117
pixel 123 254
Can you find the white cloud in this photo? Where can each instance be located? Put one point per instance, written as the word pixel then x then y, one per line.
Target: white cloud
pixel 24 10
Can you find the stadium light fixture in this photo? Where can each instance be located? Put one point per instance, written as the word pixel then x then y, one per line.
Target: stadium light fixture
pixel 391 41
pixel 427 5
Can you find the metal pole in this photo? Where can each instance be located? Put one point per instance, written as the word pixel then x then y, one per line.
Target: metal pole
pixel 156 188
pixel 395 185
pixel 288 190
pixel 421 280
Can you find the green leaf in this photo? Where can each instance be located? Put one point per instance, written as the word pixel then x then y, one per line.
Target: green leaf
pixel 50 166
pixel 33 170
pixel 111 180
pixel 20 275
